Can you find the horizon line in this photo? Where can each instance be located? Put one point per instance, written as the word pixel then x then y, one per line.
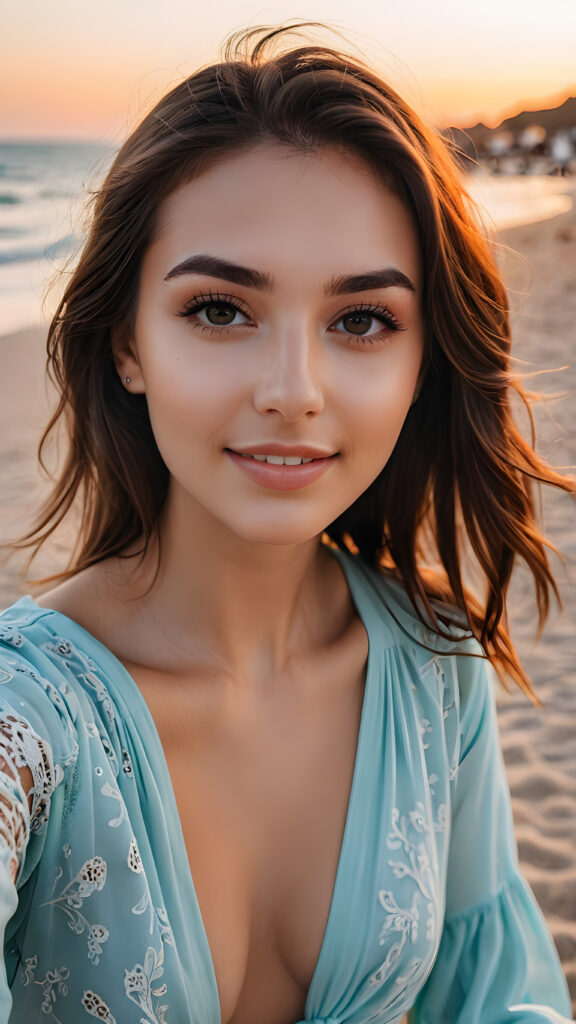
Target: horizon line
pixel 548 102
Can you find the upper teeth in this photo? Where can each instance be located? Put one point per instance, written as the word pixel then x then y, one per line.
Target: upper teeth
pixel 278 460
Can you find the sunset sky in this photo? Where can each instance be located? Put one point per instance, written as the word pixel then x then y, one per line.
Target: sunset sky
pixel 70 70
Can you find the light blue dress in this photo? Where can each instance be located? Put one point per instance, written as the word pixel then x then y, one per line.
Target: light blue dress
pixel 428 913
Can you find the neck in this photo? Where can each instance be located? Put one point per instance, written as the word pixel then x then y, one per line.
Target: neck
pixel 243 608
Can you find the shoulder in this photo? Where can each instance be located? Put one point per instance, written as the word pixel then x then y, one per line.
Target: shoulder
pixel 87 598
pixel 456 652
pixel 452 664
pixel 451 671
pixel 38 738
pixel 34 689
pixel 388 598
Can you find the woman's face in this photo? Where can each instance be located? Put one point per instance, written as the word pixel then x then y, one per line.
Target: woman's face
pixel 279 314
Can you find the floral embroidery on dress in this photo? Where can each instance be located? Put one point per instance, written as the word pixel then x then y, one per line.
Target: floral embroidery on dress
pixel 52 691
pixel 11 635
pixel 134 862
pixel 53 985
pixel 134 859
pixel 432 779
pixel 144 904
pixel 139 986
pixel 96 1007
pixel 29 969
pixel 54 694
pixel 423 728
pixel 102 694
pixel 110 753
pixel 91 878
pixel 165 929
pixel 115 794
pixel 97 934
pixel 21 746
pixel 443 691
pixel 127 764
pixel 408 835
pixel 65 650
pixel 435 663
pixel 93 731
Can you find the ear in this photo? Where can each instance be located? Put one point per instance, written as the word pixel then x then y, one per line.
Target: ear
pixel 126 360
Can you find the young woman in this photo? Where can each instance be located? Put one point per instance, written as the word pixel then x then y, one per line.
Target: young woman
pixel 250 762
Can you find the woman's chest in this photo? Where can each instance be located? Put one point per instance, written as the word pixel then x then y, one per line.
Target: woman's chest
pixel 262 796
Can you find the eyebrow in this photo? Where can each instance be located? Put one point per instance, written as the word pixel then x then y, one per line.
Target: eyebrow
pixel 389 277
pixel 213 266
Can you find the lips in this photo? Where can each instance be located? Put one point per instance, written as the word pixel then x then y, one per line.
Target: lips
pixel 281 475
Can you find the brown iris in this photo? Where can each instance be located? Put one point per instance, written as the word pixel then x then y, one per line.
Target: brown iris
pixel 357 323
pixel 220 315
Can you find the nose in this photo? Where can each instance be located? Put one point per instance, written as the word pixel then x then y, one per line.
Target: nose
pixel 289 378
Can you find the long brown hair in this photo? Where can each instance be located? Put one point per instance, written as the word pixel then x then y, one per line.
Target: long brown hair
pixel 460 465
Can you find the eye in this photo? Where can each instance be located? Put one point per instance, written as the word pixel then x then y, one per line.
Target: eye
pixel 214 313
pixel 375 323
pixel 220 314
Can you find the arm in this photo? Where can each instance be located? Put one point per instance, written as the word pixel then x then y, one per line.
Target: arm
pixel 496 963
pixel 28 777
pixel 16 790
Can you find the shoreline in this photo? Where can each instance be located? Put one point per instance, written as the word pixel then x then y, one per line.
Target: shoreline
pixel 511 201
pixel 537 261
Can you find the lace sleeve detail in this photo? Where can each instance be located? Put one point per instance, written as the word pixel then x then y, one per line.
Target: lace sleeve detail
pixel 21 812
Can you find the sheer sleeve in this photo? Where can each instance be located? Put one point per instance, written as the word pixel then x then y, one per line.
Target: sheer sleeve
pixel 497 963
pixel 34 743
pixel 20 747
pixel 13 834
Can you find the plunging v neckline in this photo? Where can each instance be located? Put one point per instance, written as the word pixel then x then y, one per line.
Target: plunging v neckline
pixel 361 604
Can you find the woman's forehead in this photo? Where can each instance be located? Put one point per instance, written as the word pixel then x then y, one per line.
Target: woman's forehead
pixel 275 204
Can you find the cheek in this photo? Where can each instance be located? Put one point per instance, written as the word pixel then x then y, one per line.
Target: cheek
pixel 376 436
pixel 189 391
pixel 184 418
pixel 379 401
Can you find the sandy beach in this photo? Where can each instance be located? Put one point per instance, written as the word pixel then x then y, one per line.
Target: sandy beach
pixel 539 745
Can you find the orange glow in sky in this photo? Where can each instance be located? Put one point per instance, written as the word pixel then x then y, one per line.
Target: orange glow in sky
pixel 72 71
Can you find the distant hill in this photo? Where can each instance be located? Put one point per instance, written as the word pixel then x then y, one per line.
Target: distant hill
pixel 552 119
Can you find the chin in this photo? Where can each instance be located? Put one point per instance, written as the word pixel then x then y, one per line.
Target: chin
pixel 282 532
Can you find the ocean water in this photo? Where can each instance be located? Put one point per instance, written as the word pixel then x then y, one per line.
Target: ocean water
pixel 44 188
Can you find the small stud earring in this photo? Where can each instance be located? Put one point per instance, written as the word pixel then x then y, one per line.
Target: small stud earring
pixel 127 379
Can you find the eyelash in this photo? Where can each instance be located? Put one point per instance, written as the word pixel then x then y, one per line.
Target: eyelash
pixel 200 302
pixel 390 323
